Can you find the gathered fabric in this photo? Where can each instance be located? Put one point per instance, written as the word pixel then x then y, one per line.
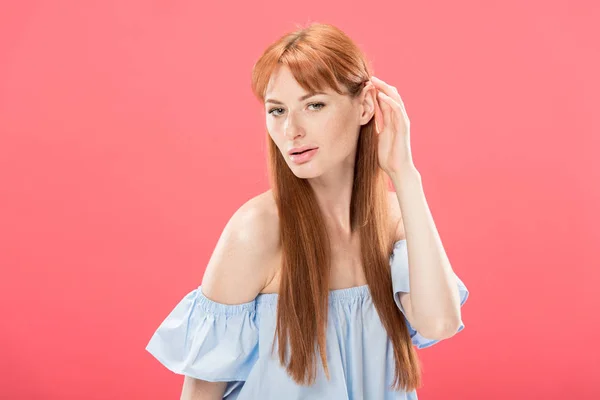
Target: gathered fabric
pixel 214 342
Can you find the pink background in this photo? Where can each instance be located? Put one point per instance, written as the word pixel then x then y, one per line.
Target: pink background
pixel 129 136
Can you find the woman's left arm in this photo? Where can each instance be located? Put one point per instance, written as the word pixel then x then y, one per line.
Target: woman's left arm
pixel 434 297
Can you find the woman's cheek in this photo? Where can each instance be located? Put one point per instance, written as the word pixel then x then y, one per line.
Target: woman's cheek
pixel 271 128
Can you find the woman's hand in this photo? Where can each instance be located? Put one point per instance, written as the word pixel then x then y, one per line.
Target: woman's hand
pixel 393 128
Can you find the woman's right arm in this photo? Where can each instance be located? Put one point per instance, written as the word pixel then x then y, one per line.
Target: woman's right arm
pixel 238 270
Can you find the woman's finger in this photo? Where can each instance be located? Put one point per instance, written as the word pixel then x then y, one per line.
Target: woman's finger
pixel 386 109
pixel 390 90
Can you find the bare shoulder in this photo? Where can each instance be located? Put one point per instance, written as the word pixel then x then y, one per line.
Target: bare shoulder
pixel 396 216
pixel 240 265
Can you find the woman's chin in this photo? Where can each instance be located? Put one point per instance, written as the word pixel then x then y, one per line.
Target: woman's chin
pixel 304 173
pixel 305 176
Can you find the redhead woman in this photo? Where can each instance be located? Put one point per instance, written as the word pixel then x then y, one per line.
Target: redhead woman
pixel 323 286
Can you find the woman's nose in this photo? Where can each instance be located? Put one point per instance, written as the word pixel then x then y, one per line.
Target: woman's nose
pixel 291 127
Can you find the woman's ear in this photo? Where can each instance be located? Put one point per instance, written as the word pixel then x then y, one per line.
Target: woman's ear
pixel 368 100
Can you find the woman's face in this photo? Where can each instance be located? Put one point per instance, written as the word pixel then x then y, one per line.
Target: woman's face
pixel 329 121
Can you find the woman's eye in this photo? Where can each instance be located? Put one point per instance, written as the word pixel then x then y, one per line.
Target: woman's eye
pixel 312 104
pixel 274 109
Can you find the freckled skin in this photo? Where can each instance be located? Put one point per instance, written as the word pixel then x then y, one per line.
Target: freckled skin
pixel 334 127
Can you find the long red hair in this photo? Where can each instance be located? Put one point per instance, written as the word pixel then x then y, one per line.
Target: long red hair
pixel 320 56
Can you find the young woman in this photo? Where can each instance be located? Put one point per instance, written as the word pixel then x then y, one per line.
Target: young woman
pixel 307 295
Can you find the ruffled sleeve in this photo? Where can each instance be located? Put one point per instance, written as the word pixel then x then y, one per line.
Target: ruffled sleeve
pixel 400 283
pixel 208 340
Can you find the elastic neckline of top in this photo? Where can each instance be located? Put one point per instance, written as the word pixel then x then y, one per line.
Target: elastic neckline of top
pixel 334 294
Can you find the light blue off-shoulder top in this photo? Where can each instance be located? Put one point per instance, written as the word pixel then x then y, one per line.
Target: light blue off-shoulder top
pixel 220 342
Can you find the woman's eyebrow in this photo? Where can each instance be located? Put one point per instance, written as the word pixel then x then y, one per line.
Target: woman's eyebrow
pixel 306 96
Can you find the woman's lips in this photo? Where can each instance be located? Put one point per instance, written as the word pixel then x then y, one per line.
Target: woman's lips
pixel 303 157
